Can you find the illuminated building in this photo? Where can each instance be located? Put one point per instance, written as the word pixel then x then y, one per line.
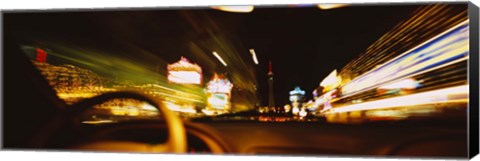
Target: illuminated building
pixel 418 62
pixel 70 82
pixel 424 80
pixel 297 95
pixel 184 72
pixel 271 101
pixel 424 24
pixel 218 94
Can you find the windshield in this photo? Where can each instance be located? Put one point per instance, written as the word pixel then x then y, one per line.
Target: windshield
pixel 352 64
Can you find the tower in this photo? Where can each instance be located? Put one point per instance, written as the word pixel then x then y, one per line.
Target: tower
pixel 271 101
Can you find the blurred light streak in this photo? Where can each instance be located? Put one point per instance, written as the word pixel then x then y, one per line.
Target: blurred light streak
pixel 236 9
pixel 447 95
pixel 178 108
pixel 254 56
pixel 427 22
pixel 388 113
pixel 330 6
pixel 77 95
pixel 215 38
pixel 331 81
pixel 173 90
pixel 98 122
pixel 442 50
pixel 219 58
pixel 179 97
pixel 404 84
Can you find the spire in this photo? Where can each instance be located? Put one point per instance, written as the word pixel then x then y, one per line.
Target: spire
pixel 270 72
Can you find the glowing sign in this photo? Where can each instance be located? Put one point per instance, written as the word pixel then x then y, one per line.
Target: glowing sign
pixel 219 90
pixel 184 77
pixel 218 101
pixel 219 85
pixel 184 72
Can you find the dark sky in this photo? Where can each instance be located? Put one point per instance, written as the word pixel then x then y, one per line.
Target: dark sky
pixel 304 43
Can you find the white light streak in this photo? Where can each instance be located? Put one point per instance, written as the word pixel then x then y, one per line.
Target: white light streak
pixel 219 58
pixel 404 84
pixel 364 82
pixel 452 94
pixel 254 56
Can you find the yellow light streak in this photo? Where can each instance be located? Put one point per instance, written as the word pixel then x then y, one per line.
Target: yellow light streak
pixel 98 122
pixel 173 90
pixel 178 108
pixel 179 97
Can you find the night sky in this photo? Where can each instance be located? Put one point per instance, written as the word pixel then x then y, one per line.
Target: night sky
pixel 304 43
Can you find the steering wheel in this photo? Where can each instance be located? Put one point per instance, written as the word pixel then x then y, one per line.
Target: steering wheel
pixel 176 142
